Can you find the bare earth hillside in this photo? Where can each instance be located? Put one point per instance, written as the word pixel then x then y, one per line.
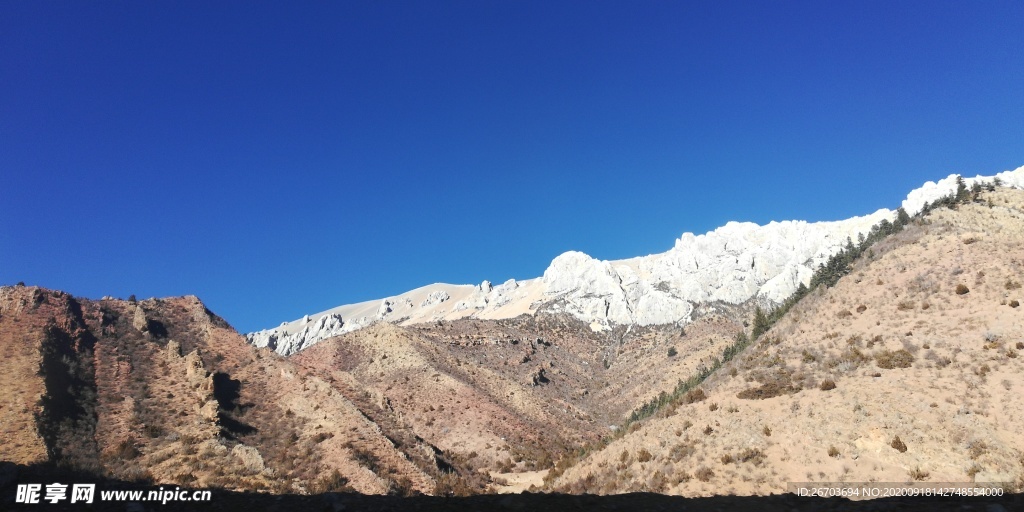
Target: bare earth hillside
pixel 908 369
pixel 163 391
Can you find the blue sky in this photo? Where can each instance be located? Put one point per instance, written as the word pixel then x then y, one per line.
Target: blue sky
pixel 277 160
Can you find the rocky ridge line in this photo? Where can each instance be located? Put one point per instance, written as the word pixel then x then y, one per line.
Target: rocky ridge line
pixel 732 264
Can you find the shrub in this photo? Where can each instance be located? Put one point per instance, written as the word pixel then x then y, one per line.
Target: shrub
pixel 827 385
pixel 450 484
pixel 704 474
pixel 366 459
pixel 854 356
pixel 713 407
pixel 708 430
pixel 125 450
pixel 681 451
pixel 334 482
pixel 833 451
pixel 917 474
pixel 752 455
pixel 976 449
pixel 672 352
pixel 680 477
pixel 1010 285
pixel 889 359
pixel 658 482
pixel 766 431
pixel 771 389
pixel 961 289
pixel 1014 303
pixel 898 444
pixel 644 455
pixel 727 459
pixel 695 395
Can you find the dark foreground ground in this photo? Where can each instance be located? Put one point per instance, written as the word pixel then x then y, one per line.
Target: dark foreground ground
pixel 11 476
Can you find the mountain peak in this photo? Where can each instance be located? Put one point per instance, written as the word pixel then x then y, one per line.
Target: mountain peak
pixel 733 264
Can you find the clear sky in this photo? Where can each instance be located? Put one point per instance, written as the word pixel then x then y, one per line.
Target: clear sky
pixel 281 158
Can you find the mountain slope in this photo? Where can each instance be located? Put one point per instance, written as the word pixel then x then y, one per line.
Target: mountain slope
pixel 162 390
pixel 909 368
pixel 732 264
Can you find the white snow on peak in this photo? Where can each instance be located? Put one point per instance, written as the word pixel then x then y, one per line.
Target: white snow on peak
pixel 732 264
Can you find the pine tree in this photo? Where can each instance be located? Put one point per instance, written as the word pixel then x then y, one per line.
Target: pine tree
pixel 961 190
pixel 761 323
pixel 902 219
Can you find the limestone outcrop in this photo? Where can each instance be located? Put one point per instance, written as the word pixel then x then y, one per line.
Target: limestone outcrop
pixel 737 262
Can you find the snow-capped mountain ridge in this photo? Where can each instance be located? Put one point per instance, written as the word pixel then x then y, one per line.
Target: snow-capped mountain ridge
pixel 732 264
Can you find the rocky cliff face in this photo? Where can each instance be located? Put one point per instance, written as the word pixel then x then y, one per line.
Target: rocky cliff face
pixel 163 390
pixel 735 263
